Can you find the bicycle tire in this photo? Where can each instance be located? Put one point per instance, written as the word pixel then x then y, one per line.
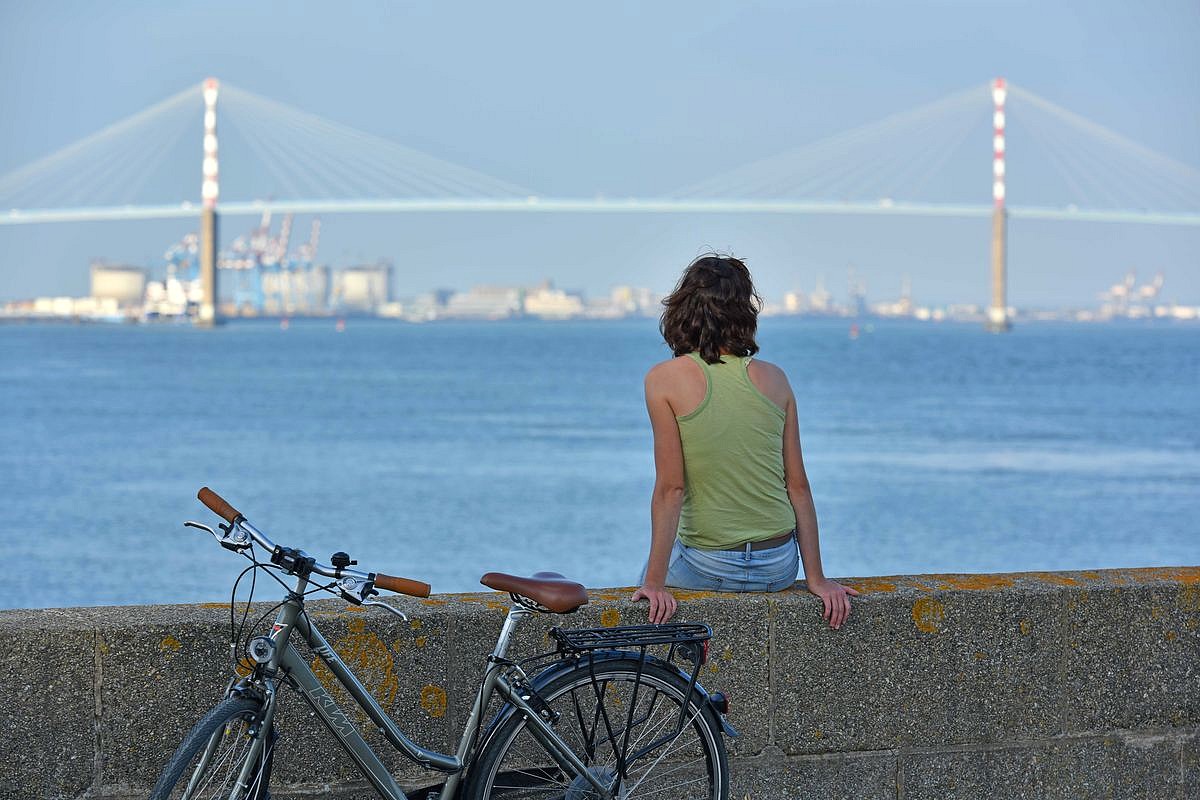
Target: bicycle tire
pixel 512 765
pixel 217 767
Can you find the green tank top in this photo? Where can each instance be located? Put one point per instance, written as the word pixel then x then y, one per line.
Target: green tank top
pixel 734 490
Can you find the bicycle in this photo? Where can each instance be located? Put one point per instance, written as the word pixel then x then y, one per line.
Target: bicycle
pixel 603 716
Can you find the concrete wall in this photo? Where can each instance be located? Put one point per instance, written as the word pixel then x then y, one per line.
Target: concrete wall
pixel 1030 685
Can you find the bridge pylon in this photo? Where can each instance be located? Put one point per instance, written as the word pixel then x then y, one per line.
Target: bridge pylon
pixel 997 316
pixel 209 191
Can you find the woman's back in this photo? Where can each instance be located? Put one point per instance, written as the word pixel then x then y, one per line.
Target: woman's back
pixel 733 459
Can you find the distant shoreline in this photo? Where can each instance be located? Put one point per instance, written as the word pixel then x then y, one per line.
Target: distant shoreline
pixel 311 319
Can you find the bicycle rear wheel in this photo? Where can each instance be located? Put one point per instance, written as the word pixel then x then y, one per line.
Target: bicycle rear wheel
pixel 595 720
pixel 208 763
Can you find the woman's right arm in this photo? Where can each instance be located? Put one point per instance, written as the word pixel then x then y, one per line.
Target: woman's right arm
pixel 667 500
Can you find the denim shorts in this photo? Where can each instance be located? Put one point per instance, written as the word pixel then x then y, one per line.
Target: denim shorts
pixel 769 570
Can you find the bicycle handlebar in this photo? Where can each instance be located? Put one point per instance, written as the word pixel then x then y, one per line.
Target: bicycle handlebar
pixel 221 507
pixel 218 505
pixel 402 585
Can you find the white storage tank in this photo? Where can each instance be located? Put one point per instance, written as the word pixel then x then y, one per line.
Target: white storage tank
pixel 126 285
pixel 364 288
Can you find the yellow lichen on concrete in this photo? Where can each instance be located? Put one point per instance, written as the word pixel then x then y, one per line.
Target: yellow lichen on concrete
pixel 1025 627
pixel 486 599
pixel 415 624
pixel 1189 597
pixel 368 657
pixel 1188 576
pixel 1053 577
pixel 927 615
pixel 610 617
pixel 215 605
pixel 870 585
pixel 170 645
pixel 433 700
pixel 420 641
pixel 688 594
pixel 974 582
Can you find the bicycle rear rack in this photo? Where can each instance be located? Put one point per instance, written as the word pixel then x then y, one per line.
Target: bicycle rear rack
pixel 687 640
pixel 576 640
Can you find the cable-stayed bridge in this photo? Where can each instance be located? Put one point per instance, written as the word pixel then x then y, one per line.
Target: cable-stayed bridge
pixel 925 161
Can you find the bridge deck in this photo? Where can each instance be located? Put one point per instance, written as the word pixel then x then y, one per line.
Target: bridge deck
pixel 578 205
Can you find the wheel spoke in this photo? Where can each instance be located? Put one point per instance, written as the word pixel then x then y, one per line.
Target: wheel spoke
pixel 666 751
pixel 673 788
pixel 210 763
pixel 602 705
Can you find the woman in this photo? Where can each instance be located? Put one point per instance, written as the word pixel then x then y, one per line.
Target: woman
pixel 730 495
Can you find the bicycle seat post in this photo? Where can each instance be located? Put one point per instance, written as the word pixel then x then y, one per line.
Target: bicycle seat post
pixel 515 614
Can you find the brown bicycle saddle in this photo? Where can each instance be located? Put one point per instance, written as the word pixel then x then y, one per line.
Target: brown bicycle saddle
pixel 551 591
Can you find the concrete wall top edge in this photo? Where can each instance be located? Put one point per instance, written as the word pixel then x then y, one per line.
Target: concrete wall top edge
pixel 902 585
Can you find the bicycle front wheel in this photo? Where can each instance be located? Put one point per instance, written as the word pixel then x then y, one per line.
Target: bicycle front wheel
pixel 212 761
pixel 670 743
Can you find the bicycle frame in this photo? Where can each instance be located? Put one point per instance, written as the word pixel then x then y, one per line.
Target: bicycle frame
pixel 286 661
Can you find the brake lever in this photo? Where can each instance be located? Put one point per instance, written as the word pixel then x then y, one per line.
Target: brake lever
pixel 234 539
pixel 360 592
pixel 398 613
pixel 203 527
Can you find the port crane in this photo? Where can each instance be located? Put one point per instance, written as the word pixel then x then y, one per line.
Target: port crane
pixel 268 278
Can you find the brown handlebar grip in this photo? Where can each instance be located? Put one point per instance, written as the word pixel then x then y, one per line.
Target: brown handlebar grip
pixel 401 585
pixel 218 505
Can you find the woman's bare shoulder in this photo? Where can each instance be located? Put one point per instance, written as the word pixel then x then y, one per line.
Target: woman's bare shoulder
pixel 679 380
pixel 672 368
pixel 768 370
pixel 770 379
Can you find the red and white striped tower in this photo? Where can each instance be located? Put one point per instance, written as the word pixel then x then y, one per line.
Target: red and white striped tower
pixel 209 191
pixel 998 311
pixel 999 94
pixel 210 188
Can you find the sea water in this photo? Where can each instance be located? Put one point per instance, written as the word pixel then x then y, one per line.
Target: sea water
pixel 446 450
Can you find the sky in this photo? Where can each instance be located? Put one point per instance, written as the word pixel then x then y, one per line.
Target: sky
pixel 622 99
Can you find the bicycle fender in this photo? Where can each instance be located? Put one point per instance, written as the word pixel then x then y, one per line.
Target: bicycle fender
pixel 609 655
pixel 729 730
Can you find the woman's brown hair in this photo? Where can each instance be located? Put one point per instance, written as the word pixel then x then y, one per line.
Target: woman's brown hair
pixel 714 307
